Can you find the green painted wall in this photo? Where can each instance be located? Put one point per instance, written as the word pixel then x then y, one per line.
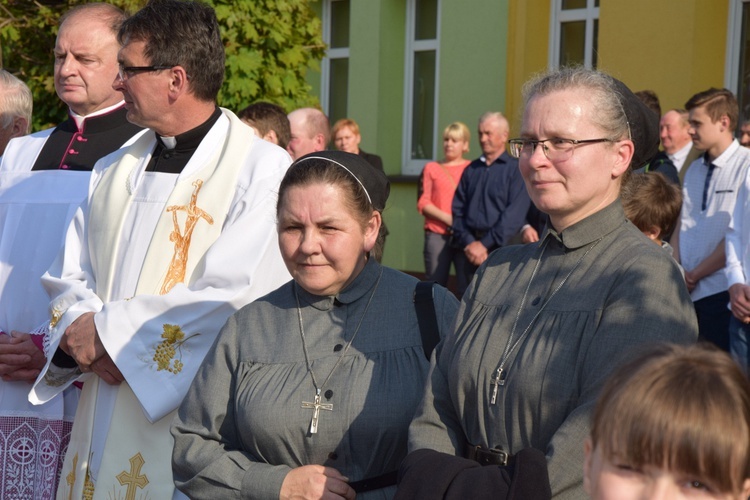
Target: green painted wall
pixel 471 80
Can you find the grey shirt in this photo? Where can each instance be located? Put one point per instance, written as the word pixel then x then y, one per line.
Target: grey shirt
pixel 626 291
pixel 241 428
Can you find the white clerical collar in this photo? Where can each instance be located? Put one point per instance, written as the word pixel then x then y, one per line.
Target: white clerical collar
pixel 80 119
pixel 679 156
pixel 169 142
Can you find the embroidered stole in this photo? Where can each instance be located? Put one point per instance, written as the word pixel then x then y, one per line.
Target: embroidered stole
pixel 137 453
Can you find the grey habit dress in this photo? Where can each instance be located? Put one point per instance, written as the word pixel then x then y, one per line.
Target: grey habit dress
pixel 242 427
pixel 626 291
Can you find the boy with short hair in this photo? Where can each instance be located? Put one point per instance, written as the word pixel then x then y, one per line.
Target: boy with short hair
pixel 709 196
pixel 652 204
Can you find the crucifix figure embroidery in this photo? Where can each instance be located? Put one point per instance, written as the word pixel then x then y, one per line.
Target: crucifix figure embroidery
pixel 316 407
pixel 181 239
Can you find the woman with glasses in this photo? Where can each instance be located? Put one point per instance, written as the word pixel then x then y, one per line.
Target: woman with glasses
pixel 543 324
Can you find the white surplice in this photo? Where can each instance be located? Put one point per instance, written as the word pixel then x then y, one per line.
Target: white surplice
pixel 35 209
pixel 241 264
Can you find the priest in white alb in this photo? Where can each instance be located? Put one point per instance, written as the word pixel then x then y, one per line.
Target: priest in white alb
pixel 43 178
pixel 177 232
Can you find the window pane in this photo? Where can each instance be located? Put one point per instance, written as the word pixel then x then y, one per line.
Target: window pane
pixel 423 105
pixel 426 20
pixel 573 4
pixel 743 85
pixel 572 42
pixel 338 89
pixel 595 44
pixel 339 24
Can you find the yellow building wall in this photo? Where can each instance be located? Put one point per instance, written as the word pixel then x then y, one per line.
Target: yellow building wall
pixel 528 45
pixel 673 47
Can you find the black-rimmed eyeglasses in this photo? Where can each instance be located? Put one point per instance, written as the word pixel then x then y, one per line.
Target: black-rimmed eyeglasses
pixel 555 149
pixel 126 72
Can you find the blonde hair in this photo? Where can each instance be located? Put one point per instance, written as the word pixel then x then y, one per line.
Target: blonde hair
pixel 683 408
pixel 458 131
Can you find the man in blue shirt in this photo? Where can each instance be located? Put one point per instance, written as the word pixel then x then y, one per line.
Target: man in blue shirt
pixel 491 201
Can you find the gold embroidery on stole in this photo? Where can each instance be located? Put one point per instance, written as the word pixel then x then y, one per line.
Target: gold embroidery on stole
pixel 70 479
pixel 181 239
pixel 88 485
pixel 55 315
pixel 133 479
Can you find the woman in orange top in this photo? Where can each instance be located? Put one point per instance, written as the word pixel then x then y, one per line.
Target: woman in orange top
pixel 439 182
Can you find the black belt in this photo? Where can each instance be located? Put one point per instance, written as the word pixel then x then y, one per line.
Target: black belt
pixel 375 483
pixel 489 456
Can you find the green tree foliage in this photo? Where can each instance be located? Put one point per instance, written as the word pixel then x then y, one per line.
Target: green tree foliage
pixel 270 45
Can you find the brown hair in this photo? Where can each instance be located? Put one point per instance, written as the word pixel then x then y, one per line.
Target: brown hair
pixel 650 99
pixel 322 171
pixel 181 33
pixel 649 199
pixel 266 116
pixel 718 102
pixel 683 408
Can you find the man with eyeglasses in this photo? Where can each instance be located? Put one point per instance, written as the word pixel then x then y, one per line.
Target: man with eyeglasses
pixel 43 178
pixel 177 233
pixel 490 203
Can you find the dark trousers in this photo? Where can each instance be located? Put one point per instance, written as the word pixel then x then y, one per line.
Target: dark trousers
pixel 713 319
pixel 464 274
pixel 438 257
pixel 739 334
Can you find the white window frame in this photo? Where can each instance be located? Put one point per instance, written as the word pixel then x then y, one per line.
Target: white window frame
pixel 336 53
pixel 410 166
pixel 559 16
pixel 734 35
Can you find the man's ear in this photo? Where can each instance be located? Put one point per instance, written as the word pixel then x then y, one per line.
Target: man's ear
pixel 724 120
pixel 271 137
pixel 653 233
pixel 179 81
pixel 19 127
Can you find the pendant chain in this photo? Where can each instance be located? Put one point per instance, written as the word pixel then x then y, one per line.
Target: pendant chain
pixel 318 388
pixel 500 374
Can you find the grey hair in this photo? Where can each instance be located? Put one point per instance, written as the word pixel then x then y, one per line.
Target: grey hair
pixel 15 100
pixel 602 92
pixel 494 115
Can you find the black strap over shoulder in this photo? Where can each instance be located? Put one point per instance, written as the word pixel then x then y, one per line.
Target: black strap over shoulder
pixel 424 304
